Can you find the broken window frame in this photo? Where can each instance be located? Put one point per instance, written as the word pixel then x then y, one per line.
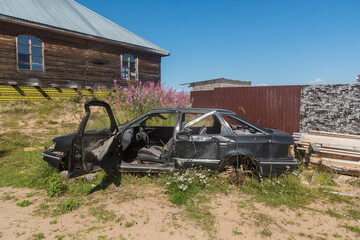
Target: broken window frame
pixel 201 118
pixel 243 121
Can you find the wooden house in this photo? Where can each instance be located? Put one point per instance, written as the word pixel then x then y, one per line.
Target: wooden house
pixel 60 43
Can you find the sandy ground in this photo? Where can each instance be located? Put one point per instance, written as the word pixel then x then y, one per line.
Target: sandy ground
pixel 154 217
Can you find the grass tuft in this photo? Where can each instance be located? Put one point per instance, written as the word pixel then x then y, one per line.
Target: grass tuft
pixel 283 190
pixel 23 203
pixel 68 206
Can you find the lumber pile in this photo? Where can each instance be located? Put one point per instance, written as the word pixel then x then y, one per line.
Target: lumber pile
pixel 340 152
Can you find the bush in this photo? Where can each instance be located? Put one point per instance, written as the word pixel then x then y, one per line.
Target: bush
pixel 138 97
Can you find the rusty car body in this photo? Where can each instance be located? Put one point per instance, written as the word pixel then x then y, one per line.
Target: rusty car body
pixel 167 139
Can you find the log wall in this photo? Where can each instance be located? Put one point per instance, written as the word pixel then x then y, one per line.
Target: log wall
pixel 70 61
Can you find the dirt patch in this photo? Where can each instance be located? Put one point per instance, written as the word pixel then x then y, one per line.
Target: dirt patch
pixel 150 215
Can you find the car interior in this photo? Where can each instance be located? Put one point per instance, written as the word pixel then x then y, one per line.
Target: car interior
pixel 148 139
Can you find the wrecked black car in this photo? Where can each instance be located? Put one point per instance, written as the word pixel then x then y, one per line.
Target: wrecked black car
pixel 167 139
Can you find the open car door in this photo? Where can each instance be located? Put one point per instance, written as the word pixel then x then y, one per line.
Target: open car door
pixel 93 149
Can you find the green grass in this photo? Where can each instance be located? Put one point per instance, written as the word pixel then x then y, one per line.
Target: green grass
pixel 102 214
pixel 266 233
pixel 354 214
pixel 320 176
pixel 355 229
pixel 334 214
pixel 129 224
pixel 336 235
pixel 201 215
pixel 236 232
pixel 59 237
pixel 23 203
pixel 68 205
pixel 284 190
pixel 53 222
pixel 38 236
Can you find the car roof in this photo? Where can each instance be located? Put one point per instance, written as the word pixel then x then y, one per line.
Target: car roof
pixel 190 110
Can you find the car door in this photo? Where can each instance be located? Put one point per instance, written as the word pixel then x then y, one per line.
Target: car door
pixel 94 146
pixel 197 143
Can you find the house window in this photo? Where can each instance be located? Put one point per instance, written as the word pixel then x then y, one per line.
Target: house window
pixel 30 53
pixel 129 67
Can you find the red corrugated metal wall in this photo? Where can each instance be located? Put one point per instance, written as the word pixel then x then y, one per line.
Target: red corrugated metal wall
pixel 269 106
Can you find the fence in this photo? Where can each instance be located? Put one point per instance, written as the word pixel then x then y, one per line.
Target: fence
pixel 269 106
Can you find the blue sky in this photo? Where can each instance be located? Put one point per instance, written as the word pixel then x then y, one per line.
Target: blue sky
pixel 267 42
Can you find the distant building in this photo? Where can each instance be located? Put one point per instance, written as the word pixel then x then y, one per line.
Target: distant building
pixel 216 83
pixel 60 43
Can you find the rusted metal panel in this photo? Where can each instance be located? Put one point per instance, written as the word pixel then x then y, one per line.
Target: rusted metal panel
pixel 202 99
pixel 270 106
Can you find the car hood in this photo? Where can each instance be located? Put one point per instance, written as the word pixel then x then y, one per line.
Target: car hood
pixel 63 143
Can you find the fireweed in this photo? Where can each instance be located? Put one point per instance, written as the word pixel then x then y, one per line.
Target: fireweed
pixel 139 97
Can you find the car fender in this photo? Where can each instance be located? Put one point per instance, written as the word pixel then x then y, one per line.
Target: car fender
pixel 231 157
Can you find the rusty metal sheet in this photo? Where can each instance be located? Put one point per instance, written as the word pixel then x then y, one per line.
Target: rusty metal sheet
pixel 270 106
pixel 202 99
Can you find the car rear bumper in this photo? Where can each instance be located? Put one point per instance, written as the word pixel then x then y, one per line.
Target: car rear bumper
pixel 276 166
pixel 53 159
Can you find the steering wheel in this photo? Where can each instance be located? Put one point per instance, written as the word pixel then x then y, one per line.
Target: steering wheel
pixel 142 135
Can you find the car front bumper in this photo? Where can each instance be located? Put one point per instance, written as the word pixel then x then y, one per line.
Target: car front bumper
pixel 276 166
pixel 53 159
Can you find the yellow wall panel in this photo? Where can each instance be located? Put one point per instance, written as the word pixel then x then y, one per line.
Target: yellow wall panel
pixel 11 93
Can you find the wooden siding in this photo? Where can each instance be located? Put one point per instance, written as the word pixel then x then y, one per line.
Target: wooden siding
pixel 70 61
pixel 270 106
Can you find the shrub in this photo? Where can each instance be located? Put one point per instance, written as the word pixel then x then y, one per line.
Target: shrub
pixel 138 97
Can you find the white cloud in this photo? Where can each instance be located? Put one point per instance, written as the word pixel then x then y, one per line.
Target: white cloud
pixel 316 81
pixel 262 84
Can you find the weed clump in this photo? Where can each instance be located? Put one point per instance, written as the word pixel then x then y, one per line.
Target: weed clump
pixel 68 206
pixel 23 203
pixel 283 190
pixel 183 186
pixel 54 186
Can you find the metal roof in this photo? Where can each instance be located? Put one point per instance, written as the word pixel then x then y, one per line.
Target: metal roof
pixel 72 17
pixel 219 80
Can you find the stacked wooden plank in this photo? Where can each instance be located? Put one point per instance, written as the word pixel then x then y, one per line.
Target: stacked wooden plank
pixel 340 152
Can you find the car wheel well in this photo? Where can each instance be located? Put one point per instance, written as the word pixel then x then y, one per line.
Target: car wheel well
pixel 63 165
pixel 248 163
